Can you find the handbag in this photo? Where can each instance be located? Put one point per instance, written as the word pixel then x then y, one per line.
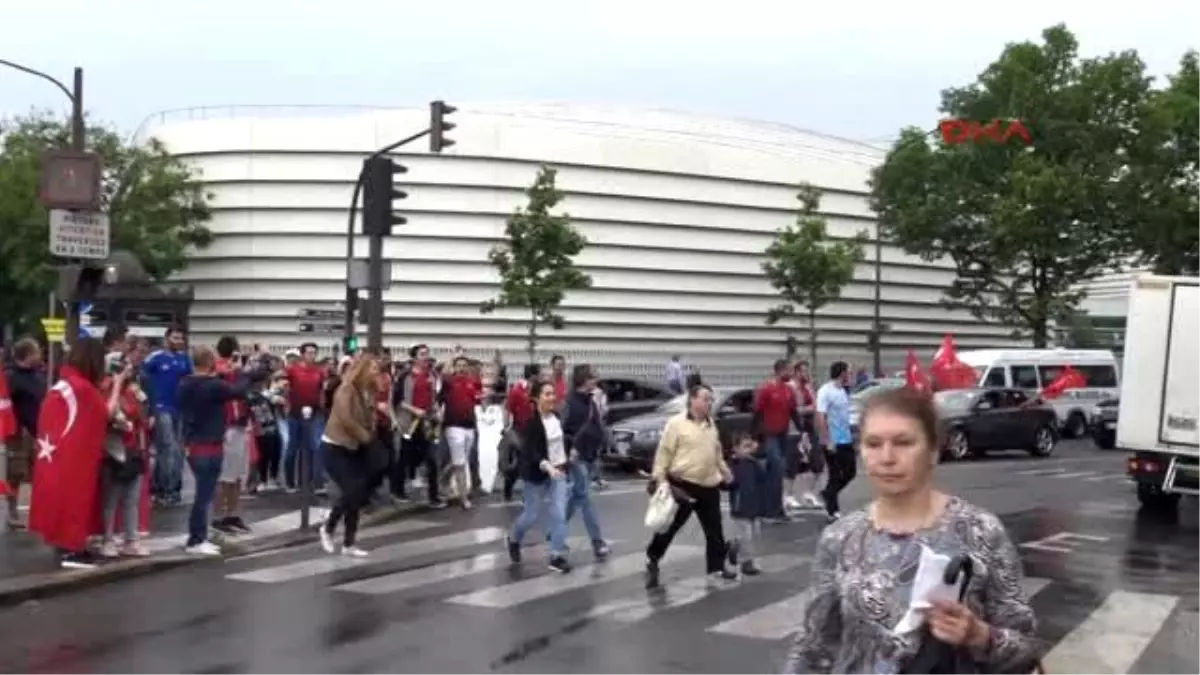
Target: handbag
pixel 935 656
pixel 661 509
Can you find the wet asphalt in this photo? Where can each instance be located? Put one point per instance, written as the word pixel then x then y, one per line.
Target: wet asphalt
pixel 437 594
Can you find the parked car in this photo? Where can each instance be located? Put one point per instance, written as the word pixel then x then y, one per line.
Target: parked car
pixel 635 439
pixel 629 397
pixel 975 421
pixel 868 389
pixel 1102 423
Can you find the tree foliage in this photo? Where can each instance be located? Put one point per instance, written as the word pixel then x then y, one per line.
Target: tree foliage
pixel 806 267
pixel 1027 225
pixel 157 207
pixel 1164 177
pixel 536 262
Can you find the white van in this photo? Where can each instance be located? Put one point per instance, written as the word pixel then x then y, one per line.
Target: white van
pixel 1032 369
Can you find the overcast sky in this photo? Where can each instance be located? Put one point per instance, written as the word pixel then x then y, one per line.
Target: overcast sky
pixel 846 67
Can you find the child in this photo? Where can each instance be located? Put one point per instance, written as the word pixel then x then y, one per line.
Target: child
pixel 746 501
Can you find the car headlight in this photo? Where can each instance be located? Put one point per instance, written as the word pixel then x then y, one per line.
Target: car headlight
pixel 648 435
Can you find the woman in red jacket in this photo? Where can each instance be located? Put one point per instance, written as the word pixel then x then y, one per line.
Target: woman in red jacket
pixel 124 464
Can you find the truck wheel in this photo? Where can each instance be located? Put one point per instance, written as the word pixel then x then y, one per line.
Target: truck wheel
pixel 1076 426
pixel 1043 442
pixel 1153 498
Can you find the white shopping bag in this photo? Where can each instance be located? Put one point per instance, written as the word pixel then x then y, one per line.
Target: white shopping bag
pixel 661 509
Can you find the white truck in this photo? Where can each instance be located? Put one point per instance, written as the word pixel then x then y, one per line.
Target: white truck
pixel 1160 389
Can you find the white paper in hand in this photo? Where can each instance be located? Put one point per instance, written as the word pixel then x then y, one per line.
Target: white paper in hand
pixel 927 586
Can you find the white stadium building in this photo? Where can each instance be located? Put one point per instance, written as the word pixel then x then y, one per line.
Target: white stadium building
pixel 677 209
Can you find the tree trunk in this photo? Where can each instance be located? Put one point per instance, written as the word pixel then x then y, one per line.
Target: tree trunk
pixel 812 341
pixel 1040 329
pixel 531 339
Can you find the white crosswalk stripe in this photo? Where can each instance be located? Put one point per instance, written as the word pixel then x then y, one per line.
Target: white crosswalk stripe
pixel 1074 474
pixel 453 567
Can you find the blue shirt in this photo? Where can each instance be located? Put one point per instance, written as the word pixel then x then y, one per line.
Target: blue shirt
pixel 834 403
pixel 161 372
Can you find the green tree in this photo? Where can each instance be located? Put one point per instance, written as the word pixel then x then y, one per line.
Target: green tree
pixel 1025 225
pixel 807 268
pixel 157 207
pixel 1164 177
pixel 536 262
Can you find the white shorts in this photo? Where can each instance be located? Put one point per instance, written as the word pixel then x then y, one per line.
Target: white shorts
pixel 459 441
pixel 236 465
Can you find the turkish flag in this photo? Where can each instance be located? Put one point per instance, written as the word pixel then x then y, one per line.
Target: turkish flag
pixel 70 447
pixel 8 418
pixel 948 372
pixel 1069 378
pixel 914 377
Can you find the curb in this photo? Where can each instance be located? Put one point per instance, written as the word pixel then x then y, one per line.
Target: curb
pixel 21 589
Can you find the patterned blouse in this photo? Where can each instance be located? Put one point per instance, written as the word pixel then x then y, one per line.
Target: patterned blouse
pixel 861 582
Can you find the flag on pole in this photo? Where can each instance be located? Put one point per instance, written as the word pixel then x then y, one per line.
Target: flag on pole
pixel 948 372
pixel 914 377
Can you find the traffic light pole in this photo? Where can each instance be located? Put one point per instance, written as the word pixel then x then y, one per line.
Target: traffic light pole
pixel 375 294
pixel 375 258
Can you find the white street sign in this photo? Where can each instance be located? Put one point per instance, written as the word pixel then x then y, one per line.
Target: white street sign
pixel 79 234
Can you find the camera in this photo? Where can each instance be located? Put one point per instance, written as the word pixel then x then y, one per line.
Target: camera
pixel 116 363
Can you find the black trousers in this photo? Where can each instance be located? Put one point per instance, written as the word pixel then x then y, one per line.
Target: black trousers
pixel 841 469
pixel 381 458
pixel 705 502
pixel 269 450
pixel 347 468
pixel 415 452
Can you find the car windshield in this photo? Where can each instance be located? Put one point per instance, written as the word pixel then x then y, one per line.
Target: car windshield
pixel 674 406
pixel 954 399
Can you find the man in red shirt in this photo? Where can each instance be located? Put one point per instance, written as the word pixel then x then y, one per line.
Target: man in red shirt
pixel 518 404
pixel 558 371
pixel 414 400
pixel 807 463
pixel 306 421
pixel 461 392
pixel 235 447
pixel 774 412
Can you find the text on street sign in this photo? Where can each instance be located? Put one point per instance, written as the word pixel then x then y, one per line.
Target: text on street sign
pixel 79 234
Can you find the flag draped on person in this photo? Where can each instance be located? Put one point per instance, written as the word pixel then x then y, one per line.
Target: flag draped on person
pixel 914 377
pixel 948 372
pixel 64 503
pixel 8 417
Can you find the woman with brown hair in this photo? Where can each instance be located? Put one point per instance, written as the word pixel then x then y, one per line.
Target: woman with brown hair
pixel 858 616
pixel 349 432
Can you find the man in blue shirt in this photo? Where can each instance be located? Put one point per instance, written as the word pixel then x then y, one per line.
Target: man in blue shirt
pixel 833 424
pixel 161 373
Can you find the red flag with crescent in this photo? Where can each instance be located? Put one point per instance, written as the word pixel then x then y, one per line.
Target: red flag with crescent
pixel 1069 378
pixel 947 371
pixel 914 377
pixel 70 446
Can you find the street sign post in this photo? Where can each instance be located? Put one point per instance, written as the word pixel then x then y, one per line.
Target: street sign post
pixel 79 234
pixel 321 320
pixel 319 328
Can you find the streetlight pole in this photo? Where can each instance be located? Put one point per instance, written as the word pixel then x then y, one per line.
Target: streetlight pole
pixel 78 144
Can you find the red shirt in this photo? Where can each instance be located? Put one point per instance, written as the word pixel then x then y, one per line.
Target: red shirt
pixel 236 411
pixel 422 389
pixel 305 380
pixel 383 394
pixel 775 402
pixel 519 405
pixel 205 449
pixel 560 388
pixel 461 393
pixel 806 392
pixel 133 438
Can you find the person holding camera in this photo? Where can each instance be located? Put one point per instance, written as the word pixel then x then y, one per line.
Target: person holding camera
pixel 124 462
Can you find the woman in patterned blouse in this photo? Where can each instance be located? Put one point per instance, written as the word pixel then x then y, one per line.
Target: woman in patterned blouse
pixel 865 563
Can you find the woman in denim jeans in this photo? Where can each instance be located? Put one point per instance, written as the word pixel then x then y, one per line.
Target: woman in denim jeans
pixel 543 468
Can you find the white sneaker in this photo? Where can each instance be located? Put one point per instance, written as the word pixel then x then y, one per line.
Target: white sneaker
pixel 204 548
pixel 354 552
pixel 813 501
pixel 109 549
pixel 791 503
pixel 327 541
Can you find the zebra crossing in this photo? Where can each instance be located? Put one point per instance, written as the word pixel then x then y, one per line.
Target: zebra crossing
pixel 1063 473
pixel 470 569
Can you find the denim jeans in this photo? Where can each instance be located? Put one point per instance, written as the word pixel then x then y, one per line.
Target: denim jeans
pixel 206 471
pixel 304 435
pixel 773 447
pixel 551 495
pixel 167 481
pixel 580 476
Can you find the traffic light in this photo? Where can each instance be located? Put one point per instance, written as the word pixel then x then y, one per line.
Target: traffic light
pixel 350 344
pixel 378 195
pixel 438 126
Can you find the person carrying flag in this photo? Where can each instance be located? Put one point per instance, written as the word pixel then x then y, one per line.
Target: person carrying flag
pixel 70 449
